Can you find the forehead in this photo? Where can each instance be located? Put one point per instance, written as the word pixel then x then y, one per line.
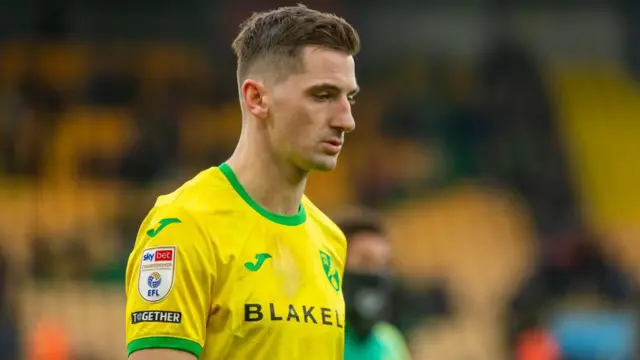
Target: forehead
pixel 323 65
pixel 368 252
pixel 369 242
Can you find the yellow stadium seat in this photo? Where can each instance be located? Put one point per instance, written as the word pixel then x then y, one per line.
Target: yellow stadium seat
pixel 91 316
pixel 85 132
pixel 599 111
pixel 167 61
pixel 13 62
pixel 17 204
pixel 203 129
pixel 56 211
pixel 61 65
pixel 477 238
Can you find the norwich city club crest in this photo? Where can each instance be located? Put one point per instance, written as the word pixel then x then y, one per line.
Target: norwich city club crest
pixel 330 270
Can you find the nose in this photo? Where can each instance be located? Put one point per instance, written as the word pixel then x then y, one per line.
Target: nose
pixel 344 120
pixel 348 123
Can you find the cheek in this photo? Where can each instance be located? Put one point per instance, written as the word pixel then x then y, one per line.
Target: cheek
pixel 283 119
pixel 290 131
pixel 368 257
pixel 297 125
pixel 302 125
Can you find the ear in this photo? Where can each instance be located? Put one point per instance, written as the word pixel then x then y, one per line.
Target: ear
pixel 253 94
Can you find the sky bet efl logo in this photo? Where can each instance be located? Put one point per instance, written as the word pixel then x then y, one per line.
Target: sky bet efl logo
pixel 158 255
pixel 157 267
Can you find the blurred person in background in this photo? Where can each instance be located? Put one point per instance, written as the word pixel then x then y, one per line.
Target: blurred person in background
pixel 368 289
pixel 578 304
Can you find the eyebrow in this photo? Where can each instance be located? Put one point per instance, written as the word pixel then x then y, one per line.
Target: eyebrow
pixel 332 87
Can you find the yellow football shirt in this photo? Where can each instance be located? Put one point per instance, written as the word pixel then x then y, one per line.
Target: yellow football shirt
pixel 214 274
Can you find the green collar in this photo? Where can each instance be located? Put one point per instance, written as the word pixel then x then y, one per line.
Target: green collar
pixel 288 220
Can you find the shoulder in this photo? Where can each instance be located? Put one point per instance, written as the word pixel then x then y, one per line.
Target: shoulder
pixel 177 234
pixel 209 191
pixel 324 223
pixel 171 225
pixel 208 200
pixel 204 210
pixel 181 214
pixel 391 338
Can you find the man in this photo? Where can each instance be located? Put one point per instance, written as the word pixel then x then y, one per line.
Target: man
pixel 367 291
pixel 238 263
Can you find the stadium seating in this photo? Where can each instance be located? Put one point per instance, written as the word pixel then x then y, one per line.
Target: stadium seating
pixel 91 317
pixel 478 239
pixel 61 65
pixel 88 133
pixel 599 111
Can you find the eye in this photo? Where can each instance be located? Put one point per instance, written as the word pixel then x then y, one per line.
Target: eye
pixel 323 96
pixel 352 100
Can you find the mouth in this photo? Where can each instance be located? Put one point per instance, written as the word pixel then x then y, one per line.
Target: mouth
pixel 334 142
pixel 332 146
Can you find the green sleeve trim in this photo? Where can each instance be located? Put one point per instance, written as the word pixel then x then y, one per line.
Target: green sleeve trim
pixel 165 342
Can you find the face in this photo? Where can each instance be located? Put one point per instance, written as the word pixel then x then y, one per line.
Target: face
pixel 310 112
pixel 367 286
pixel 368 253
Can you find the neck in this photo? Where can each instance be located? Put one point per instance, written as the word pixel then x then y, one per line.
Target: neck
pixel 276 185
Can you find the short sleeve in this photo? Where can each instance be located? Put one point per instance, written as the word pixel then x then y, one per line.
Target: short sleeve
pixel 170 274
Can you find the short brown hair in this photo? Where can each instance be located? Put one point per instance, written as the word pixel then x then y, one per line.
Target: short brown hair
pixel 356 221
pixel 280 34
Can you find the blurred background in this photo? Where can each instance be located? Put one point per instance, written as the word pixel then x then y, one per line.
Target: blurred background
pixel 500 140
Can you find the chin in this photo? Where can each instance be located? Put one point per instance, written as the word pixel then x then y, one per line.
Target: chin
pixel 325 167
pixel 323 163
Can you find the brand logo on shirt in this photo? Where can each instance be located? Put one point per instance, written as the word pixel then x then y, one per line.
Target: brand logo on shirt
pixel 161 225
pixel 292 313
pixel 154 280
pixel 255 266
pixel 161 255
pixel 330 270
pixel 172 317
pixel 157 267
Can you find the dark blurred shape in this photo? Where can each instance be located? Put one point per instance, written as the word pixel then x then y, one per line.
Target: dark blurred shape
pixel 39 106
pixel 157 120
pixel 416 304
pixel 575 268
pixel 76 260
pixel 112 82
pixel 524 151
pixel 37 93
pixel 9 336
pixel 53 18
pixel 417 110
pixel 43 259
pixel 630 24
